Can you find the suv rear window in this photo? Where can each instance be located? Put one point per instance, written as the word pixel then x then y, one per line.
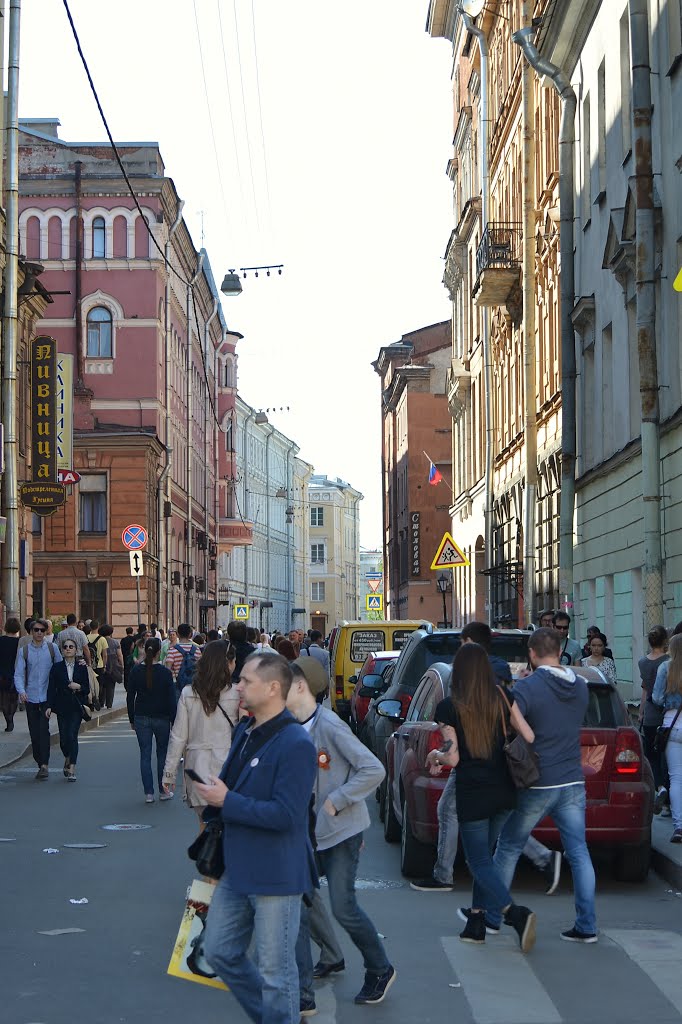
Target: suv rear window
pixel 443 647
pixel 604 709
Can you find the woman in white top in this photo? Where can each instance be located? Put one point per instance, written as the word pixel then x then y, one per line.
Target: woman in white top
pixel 207 713
pixel 597 658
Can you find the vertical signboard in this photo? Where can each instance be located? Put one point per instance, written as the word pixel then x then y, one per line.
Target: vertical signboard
pixel 44 406
pixel 414 527
pixel 64 411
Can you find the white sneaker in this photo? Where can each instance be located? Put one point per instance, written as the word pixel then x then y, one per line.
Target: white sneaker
pixel 149 798
pixel 166 796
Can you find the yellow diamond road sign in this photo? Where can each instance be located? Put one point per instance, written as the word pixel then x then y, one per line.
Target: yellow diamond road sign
pixel 449 554
pixel 241 611
pixel 374 602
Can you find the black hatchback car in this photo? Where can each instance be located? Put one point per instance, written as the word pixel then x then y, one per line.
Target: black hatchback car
pixel 422 649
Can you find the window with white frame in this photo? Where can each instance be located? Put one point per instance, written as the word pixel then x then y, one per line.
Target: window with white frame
pixel 100 333
pixel 317 591
pixel 317 554
pixel 92 492
pixel 317 515
pixel 98 238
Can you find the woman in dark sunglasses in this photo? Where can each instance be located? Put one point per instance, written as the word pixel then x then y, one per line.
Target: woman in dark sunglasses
pixel 67 691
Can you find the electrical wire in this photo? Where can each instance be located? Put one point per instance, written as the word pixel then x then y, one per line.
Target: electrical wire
pixel 230 108
pixel 228 224
pixel 246 120
pixel 260 115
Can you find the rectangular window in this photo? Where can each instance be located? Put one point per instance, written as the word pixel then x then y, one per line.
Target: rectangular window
pixel 601 131
pixel 317 554
pixel 38 600
pixel 93 601
pixel 92 491
pixel 317 591
pixel 98 238
pixel 606 400
pixel 587 164
pixel 625 86
pixel 317 515
pixel 36 524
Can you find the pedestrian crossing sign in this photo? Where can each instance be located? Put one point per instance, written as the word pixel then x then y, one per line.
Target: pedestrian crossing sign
pixel 449 554
pixel 374 602
pixel 241 611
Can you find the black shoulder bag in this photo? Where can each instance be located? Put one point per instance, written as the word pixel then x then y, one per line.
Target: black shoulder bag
pixel 663 734
pixel 522 761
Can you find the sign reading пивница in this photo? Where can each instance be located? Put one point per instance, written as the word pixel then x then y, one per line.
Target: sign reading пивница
pixel 44 494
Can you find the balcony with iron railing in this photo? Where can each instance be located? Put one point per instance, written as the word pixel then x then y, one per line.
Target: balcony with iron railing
pixel 498 264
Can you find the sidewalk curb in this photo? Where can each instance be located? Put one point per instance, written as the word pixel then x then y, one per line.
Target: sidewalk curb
pixel 669 870
pixel 98 718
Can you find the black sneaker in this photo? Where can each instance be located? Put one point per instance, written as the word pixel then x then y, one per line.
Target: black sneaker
pixel 376 986
pixel 522 920
pixel 431 885
pixel 474 930
pixel 676 837
pixel 464 913
pixel 573 935
pixel 660 800
pixel 308 1008
pixel 321 970
pixel 552 872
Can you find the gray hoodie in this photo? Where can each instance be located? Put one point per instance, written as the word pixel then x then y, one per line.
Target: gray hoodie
pixel 347 773
pixel 553 700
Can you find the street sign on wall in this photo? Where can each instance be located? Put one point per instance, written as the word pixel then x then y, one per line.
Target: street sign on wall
pixel 136 563
pixel 241 611
pixel 134 537
pixel 449 554
pixel 64 412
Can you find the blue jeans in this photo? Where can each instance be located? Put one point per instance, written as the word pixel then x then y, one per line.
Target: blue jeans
pixel 673 757
pixel 448 832
pixel 268 993
pixel 566 806
pixel 149 729
pixel 340 864
pixel 478 840
pixel 69 723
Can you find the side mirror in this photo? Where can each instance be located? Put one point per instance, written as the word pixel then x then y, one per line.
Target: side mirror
pixel 390 709
pixel 352 679
pixel 369 691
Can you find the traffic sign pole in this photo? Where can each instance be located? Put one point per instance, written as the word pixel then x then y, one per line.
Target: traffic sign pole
pixel 139 613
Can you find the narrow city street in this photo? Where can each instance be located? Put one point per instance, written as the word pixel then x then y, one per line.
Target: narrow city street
pixel 105 962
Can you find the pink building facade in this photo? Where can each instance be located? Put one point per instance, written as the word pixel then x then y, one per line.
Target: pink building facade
pixel 137 308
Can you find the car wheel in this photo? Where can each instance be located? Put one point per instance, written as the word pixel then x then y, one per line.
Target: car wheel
pixel 416 859
pixel 391 823
pixel 631 863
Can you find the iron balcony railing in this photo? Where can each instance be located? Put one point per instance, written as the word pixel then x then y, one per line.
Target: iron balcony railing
pixel 500 247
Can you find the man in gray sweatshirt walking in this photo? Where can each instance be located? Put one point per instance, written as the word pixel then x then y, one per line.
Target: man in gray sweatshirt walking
pixel 347 773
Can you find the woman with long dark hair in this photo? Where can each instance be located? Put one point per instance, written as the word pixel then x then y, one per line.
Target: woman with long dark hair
pixel 208 711
pixel 472 721
pixel 667 694
pixel 67 692
pixel 151 710
pixel 9 698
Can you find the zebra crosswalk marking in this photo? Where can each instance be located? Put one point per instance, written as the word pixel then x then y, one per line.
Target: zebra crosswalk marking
pixel 499 983
pixel 656 952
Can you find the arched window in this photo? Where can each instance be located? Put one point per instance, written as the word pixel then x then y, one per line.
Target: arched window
pixel 98 238
pixel 99 333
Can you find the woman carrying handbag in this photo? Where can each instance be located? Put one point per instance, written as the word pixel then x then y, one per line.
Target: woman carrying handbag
pixel 208 711
pixel 474 722
pixel 667 694
pixel 67 692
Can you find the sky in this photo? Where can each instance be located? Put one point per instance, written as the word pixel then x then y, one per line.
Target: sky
pixel 302 133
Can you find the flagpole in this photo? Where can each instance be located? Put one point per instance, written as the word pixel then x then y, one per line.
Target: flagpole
pixel 445 479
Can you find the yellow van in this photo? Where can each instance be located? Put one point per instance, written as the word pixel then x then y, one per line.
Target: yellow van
pixel 351 642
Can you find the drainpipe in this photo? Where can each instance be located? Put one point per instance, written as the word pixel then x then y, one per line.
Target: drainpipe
pixel 164 484
pixel 78 311
pixel 10 326
pixel 645 286
pixel 190 436
pixel 268 498
pixel 247 509
pixel 207 447
pixel 523 38
pixel 288 617
pixel 487 364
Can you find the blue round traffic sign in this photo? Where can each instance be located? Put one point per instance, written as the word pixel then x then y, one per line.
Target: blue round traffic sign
pixel 134 537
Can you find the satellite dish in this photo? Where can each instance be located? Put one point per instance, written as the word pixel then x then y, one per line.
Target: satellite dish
pixel 472 7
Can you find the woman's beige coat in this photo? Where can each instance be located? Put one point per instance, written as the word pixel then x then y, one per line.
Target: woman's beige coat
pixel 203 740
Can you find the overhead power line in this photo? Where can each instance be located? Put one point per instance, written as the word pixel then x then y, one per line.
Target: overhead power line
pixel 246 119
pixel 210 121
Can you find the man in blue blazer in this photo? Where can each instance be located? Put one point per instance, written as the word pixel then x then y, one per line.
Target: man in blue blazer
pixel 263 796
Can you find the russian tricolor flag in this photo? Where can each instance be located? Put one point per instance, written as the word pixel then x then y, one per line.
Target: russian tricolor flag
pixel 434 475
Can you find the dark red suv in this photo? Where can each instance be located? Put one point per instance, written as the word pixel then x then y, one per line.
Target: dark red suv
pixel 619 781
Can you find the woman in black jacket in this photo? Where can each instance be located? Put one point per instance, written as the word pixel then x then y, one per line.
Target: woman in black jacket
pixel 67 691
pixel 151 711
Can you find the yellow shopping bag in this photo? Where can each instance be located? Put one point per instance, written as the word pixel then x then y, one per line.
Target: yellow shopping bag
pixel 188 959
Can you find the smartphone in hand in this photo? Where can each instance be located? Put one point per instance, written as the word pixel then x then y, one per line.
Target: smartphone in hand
pixel 191 774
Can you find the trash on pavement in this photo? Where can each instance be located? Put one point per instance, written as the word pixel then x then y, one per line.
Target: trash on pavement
pixel 79 901
pixel 84 846
pixel 455 984
pixel 62 931
pixel 50 849
pixel 123 828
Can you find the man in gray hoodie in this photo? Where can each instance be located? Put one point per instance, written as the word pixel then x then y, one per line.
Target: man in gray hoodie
pixel 347 773
pixel 553 700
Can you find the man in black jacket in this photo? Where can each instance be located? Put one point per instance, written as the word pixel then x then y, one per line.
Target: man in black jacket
pixel 236 632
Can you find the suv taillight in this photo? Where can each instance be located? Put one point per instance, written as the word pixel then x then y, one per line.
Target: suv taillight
pixel 405 701
pixel 339 686
pixel 627 758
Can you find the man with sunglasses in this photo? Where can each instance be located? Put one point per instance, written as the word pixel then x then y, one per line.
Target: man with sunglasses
pixel 571 651
pixel 31 677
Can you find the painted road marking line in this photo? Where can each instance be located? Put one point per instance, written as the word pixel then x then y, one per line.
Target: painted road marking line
pixel 499 983
pixel 658 954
